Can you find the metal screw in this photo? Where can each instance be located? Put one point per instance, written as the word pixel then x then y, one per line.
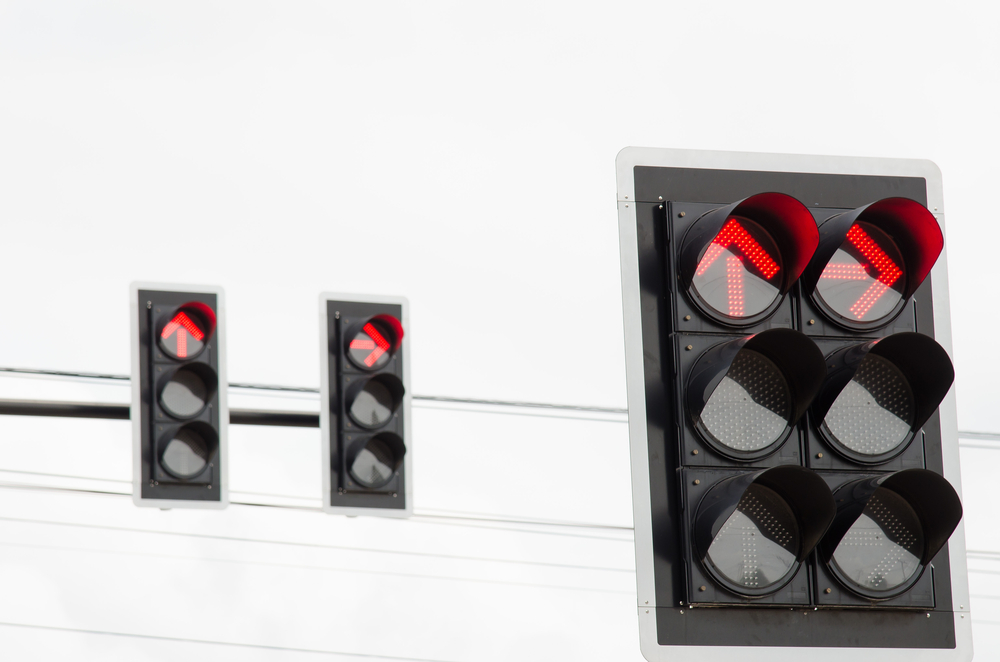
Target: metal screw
pixel 209 487
pixel 811 322
pixel 149 304
pixel 819 455
pixel 661 197
pixel 682 214
pixel 829 590
pixel 701 588
pixel 156 482
pixel 647 602
pixel 626 205
pixel 647 611
pixel 394 495
pixel 336 315
pixel 682 611
pixel 689 347
pixel 694 452
pixel 687 318
pixel 697 482
pixel 661 206
pixel 210 465
pixel 928 615
pixel 626 197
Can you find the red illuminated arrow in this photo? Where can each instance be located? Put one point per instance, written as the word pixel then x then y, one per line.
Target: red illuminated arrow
pixel 378 344
pixel 888 271
pixel 182 325
pixel 734 233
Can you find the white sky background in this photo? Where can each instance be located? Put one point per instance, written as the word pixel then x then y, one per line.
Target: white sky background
pixel 469 149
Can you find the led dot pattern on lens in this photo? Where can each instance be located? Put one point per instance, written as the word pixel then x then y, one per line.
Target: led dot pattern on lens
pixel 758 544
pixel 874 412
pixel 749 409
pixel 374 465
pixel 882 549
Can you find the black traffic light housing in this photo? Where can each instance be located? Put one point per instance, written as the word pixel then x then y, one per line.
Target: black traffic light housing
pixel 365 405
pixel 179 413
pixel 674 207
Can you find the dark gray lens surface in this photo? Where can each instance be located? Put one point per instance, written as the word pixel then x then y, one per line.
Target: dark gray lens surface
pixel 749 409
pixel 374 405
pixel 758 545
pixel 882 549
pixel 874 412
pixel 374 464
pixel 185 394
pixel 186 455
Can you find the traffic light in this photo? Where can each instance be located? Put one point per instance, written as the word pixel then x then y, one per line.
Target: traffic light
pixel 365 405
pixel 794 450
pixel 179 413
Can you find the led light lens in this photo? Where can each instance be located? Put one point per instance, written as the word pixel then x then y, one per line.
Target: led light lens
pixel 374 464
pixel 185 394
pixel 374 404
pixel 750 408
pixel 184 336
pixel 864 280
pixel 874 413
pixel 371 347
pixel 186 455
pixel 739 273
pixel 882 549
pixel 758 545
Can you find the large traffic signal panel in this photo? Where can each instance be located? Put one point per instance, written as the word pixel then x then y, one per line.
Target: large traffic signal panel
pixel 179 413
pixel 794 481
pixel 365 406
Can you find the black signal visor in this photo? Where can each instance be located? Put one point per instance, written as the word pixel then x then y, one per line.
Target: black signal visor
pixel 738 261
pixel 744 396
pixel 879 394
pixel 871 260
pixel 887 529
pixel 753 530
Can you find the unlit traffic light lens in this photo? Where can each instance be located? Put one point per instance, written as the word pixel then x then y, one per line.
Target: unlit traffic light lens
pixel 374 464
pixel 373 403
pixel 758 545
pixel 371 347
pixel 738 274
pixel 750 408
pixel 186 454
pixel 874 413
pixel 187 392
pixel 882 549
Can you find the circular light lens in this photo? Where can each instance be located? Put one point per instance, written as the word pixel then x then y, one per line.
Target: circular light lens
pixel 738 274
pixel 375 464
pixel 186 455
pixel 371 347
pixel 186 394
pixel 374 404
pixel 863 282
pixel 874 413
pixel 185 335
pixel 748 411
pixel 881 551
pixel 758 545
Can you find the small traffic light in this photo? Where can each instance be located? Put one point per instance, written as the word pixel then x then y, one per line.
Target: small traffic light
pixel 179 414
pixel 365 405
pixel 792 474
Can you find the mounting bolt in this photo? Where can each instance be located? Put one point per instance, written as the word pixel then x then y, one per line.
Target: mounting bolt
pixel 701 588
pixel 689 347
pixel 682 611
pixel 626 205
pixel 682 214
pixel 661 197
pixel 697 482
pixel 661 206
pixel 149 304
pixel 819 456
pixel 811 322
pixel 336 315
pixel 829 590
pixel 209 486
pixel 694 452
pixel 687 318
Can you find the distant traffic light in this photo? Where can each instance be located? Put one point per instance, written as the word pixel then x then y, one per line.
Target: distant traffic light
pixel 179 414
pixel 792 476
pixel 364 412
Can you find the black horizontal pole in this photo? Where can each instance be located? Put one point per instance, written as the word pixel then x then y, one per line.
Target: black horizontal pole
pixel 121 413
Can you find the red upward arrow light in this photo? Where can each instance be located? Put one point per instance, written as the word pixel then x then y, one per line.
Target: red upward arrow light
pixel 182 325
